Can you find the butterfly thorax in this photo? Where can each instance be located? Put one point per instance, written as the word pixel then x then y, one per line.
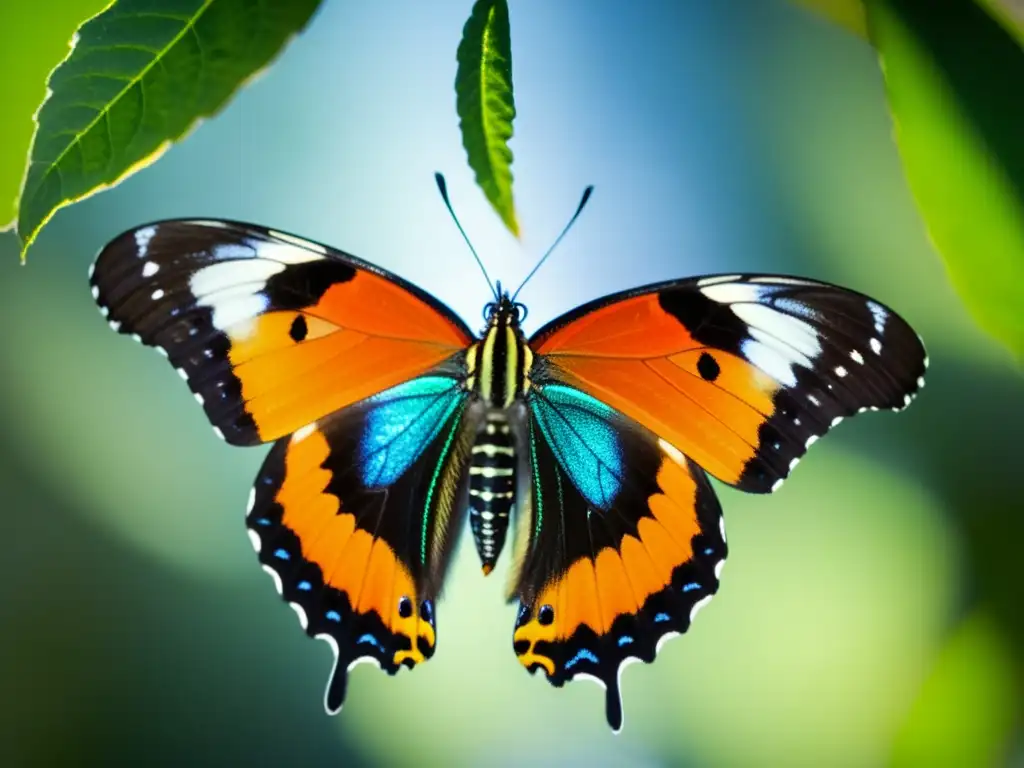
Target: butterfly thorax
pixel 498 365
pixel 498 373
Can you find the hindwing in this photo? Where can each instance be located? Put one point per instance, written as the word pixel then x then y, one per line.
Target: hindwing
pixel 355 517
pixel 623 537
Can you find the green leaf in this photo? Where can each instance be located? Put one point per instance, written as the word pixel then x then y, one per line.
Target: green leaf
pixel 953 80
pixel 140 75
pixel 1009 13
pixel 483 90
pixel 846 13
pixel 31 44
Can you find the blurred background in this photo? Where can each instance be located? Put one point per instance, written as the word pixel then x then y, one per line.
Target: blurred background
pixel 870 612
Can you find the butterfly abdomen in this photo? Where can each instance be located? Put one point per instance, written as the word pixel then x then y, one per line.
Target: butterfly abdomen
pixel 492 483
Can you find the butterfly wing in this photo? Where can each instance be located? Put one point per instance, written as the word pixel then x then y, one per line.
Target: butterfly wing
pixel 270 331
pixel 624 542
pixel 354 516
pixel 740 373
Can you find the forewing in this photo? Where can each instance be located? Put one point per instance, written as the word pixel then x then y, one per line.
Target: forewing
pixel 270 331
pixel 740 373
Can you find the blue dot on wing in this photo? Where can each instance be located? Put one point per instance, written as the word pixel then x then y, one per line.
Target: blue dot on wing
pixel 333 616
pixel 581 654
pixel 661 617
pixel 304 586
pixel 625 640
pixel 691 586
pixel 282 554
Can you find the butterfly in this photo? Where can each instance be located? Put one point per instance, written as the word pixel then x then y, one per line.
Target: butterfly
pixel 591 441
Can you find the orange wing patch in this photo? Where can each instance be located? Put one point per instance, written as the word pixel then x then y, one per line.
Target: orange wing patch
pixel 351 560
pixel 349 585
pixel 362 337
pixel 642 361
pixel 619 602
pixel 270 331
pixel 740 372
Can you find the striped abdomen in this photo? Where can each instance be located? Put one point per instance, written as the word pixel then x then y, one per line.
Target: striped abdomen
pixel 492 487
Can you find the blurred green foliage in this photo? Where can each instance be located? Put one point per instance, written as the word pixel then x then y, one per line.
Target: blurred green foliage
pixel 31 44
pixel 953 77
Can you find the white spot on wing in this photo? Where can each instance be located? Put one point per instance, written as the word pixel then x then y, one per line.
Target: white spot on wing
pixel 95 292
pixel 218 433
pixel 299 242
pixel 363 660
pixel 276 578
pixel 250 276
pixel 716 279
pixel 664 639
pixel 301 613
pixel 234 312
pixel 718 569
pixel 698 605
pixel 182 374
pixel 142 238
pixel 777 484
pixel 789 330
pixel 150 268
pixel 288 253
pixel 334 668
pixel 115 325
pixel 779 280
pixel 303 432
pixel 734 293
pixel 252 501
pixel 857 357
pixel 255 540
pixel 229 251
pixel 672 451
pixel 880 316
pixel 157 294
pixel 840 371
pixel 769 360
pixel 876 346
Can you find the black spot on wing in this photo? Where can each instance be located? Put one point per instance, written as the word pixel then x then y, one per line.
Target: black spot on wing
pixel 638 636
pixel 708 367
pixel 142 281
pixel 866 357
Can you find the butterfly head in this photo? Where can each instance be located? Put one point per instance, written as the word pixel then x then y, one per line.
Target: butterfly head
pixel 504 311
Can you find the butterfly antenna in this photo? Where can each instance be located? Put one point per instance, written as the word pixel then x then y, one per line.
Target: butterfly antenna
pixel 443 189
pixel 579 210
